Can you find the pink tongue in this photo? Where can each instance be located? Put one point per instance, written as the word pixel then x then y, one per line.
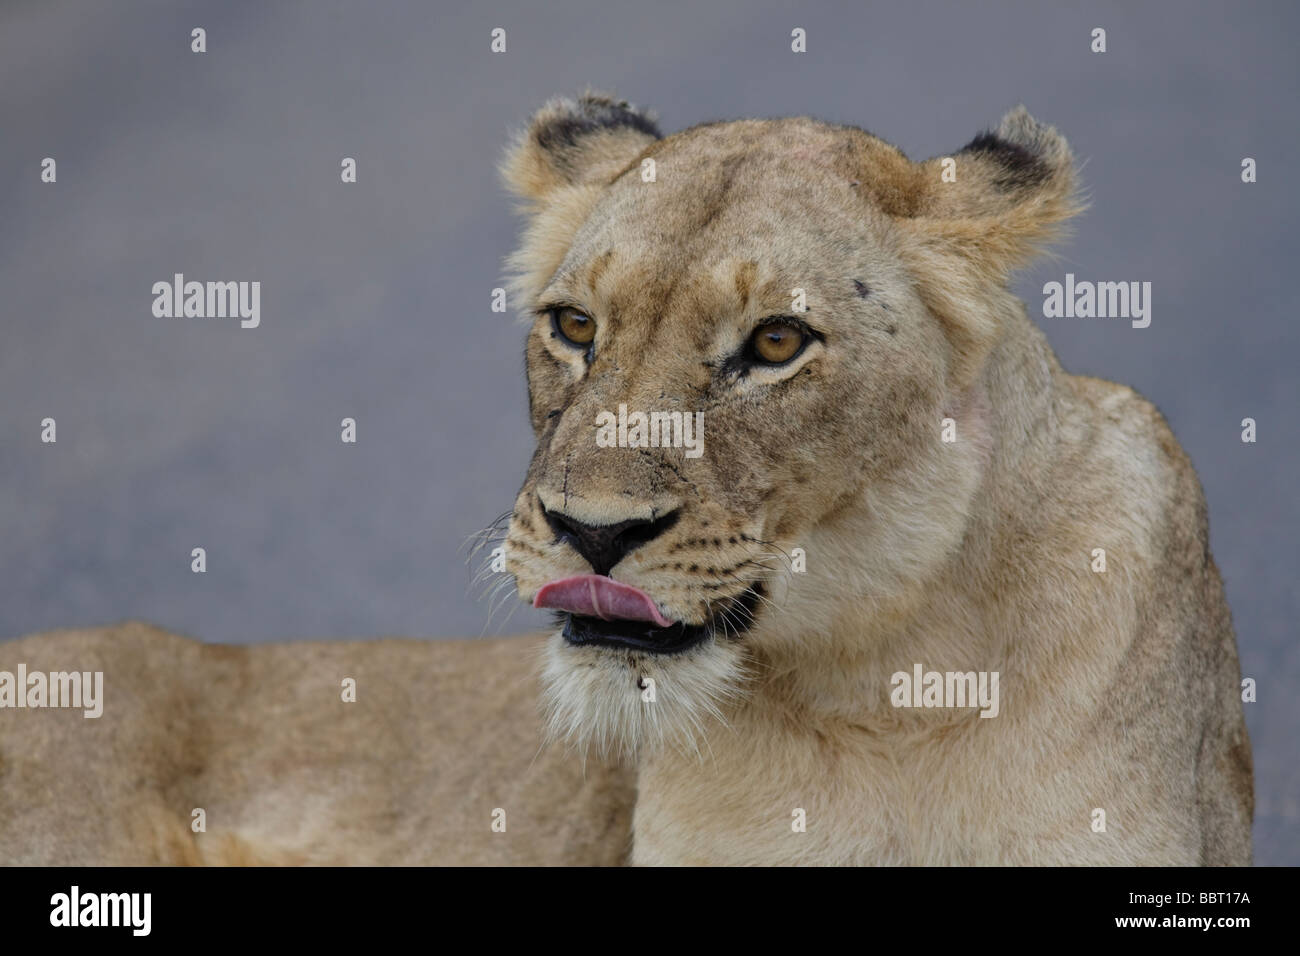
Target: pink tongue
pixel 595 595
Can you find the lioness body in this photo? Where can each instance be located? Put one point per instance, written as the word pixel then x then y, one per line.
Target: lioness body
pixel 1119 689
pixel 441 736
pixel 957 502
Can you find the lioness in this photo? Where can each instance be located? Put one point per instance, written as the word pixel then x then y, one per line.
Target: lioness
pixel 798 449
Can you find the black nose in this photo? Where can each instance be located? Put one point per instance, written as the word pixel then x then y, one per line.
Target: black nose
pixel 605 545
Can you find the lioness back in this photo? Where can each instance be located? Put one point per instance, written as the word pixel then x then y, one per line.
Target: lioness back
pixel 437 760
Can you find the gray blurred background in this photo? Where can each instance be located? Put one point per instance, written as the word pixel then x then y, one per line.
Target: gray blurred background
pixel 180 433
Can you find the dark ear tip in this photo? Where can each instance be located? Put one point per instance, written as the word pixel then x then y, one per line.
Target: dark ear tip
pixel 1020 166
pixel 563 122
pixel 1028 152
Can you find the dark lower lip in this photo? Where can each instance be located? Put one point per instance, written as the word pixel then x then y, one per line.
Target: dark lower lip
pixel 738 617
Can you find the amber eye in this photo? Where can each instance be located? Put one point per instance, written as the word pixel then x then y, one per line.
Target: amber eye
pixel 777 342
pixel 576 328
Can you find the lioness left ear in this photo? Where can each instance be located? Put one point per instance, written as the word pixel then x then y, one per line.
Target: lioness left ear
pixel 571 143
pixel 979 214
pixel 1002 197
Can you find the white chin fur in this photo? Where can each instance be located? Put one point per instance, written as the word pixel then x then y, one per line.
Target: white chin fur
pixel 592 695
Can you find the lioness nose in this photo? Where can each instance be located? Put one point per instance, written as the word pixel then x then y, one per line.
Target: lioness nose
pixel 606 545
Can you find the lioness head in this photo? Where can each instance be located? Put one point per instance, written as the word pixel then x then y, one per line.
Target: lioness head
pixel 745 338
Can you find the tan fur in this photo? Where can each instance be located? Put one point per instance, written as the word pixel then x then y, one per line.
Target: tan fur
pixel 441 734
pixel 1119 691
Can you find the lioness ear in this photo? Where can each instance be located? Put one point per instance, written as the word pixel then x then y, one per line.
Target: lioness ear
pixel 1002 197
pixel 979 214
pixel 569 143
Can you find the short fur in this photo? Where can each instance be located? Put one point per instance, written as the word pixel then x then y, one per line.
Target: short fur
pixel 440 736
pixel 1119 689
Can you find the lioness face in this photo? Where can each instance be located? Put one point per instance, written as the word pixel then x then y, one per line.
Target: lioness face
pixel 732 374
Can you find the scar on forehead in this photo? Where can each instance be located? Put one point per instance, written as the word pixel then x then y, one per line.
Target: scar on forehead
pixel 598 267
pixel 746 276
pixel 862 288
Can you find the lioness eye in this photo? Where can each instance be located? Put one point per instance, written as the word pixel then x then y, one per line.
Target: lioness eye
pixel 777 342
pixel 574 327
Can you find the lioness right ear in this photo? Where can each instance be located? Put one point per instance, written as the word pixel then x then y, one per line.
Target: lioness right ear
pixel 569 143
pixel 979 214
pixel 1002 197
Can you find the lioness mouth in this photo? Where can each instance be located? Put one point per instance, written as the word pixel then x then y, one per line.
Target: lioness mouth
pixel 599 611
